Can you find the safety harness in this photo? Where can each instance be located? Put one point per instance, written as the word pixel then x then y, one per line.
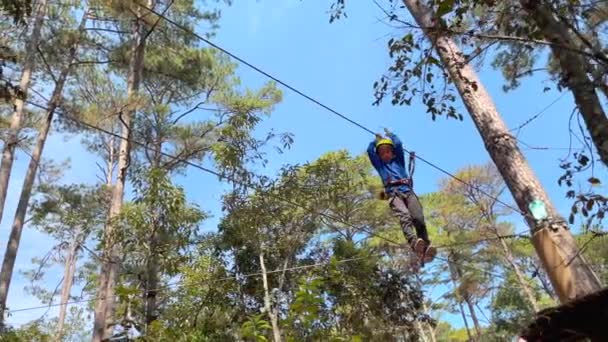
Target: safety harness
pixel 411 167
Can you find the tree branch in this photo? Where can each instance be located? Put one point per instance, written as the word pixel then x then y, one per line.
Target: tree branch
pixel 105 30
pixel 53 294
pixel 499 37
pixel 596 52
pixel 526 40
pixel 109 61
pixel 48 67
pixel 157 19
pixel 197 106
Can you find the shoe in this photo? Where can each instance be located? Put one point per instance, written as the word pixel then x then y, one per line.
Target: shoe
pixel 419 246
pixel 429 253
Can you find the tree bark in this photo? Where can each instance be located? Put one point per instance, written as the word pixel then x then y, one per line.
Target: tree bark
pixel 104 309
pixel 554 244
pixel 28 183
pixel 545 285
pixel 267 303
pixel 68 281
pixel 573 66
pixel 8 153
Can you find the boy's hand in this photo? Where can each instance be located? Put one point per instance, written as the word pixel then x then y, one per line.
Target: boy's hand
pixel 387 131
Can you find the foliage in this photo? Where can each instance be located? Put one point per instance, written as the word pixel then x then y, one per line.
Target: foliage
pixel 34 332
pixel 254 329
pixel 334 261
pixel 17 9
pixel 69 214
pixel 507 36
pixel 158 229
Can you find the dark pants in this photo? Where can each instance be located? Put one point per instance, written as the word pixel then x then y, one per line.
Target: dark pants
pixel 408 209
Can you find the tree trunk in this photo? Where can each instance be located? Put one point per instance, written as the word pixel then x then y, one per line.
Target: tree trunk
pixel 431 332
pixel 430 327
pixel 104 308
pixel 508 255
pixel 570 275
pixel 68 281
pixel 464 319
pixel 267 304
pixel 152 288
pixel 455 284
pixel 8 153
pixel 28 183
pixel 574 72
pixel 470 304
pixel 473 314
pixel 421 332
pixel 110 165
pixel 520 277
pixel 152 267
pixel 546 287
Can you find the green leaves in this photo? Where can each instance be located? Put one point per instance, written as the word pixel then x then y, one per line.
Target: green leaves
pixel 156 231
pixel 19 10
pixel 360 290
pixel 69 211
pixel 445 7
pixel 400 81
pixel 255 328
pixel 160 209
pixel 307 303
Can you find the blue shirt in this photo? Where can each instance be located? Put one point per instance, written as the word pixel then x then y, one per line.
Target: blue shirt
pixel 393 170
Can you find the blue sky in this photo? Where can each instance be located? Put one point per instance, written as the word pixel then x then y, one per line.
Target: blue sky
pixel 336 64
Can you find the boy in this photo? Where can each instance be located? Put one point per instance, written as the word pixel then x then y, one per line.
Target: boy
pixel 386 155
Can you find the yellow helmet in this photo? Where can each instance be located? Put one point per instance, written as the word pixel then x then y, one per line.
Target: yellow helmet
pixel 384 141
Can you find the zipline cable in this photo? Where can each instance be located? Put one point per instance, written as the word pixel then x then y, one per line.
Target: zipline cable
pixel 336 219
pixel 317 102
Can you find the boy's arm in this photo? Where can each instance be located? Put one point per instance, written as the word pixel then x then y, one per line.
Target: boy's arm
pixel 373 156
pixel 398 146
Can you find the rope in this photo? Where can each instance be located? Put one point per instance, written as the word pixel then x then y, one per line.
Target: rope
pixel 215 173
pixel 249 186
pixel 333 111
pixel 411 166
pixel 219 175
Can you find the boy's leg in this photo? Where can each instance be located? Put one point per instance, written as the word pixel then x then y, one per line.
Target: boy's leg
pixel 400 210
pixel 417 215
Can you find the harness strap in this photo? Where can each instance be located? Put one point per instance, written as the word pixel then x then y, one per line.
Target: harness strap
pixel 411 168
pixel 403 181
